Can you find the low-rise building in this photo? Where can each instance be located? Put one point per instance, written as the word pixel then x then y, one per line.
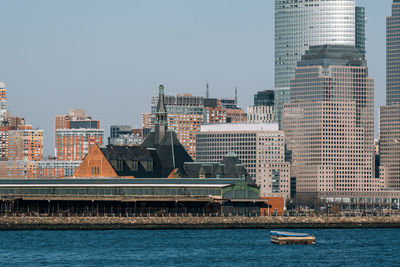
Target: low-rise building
pixel 125 135
pixel 38 169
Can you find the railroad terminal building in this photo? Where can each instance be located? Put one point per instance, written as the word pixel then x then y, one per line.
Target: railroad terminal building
pixel 157 178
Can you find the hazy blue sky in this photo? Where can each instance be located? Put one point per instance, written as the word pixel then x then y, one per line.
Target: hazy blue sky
pixel 109 57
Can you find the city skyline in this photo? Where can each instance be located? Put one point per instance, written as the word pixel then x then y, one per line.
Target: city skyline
pixel 127 49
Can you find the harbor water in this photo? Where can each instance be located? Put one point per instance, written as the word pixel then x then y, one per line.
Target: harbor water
pixel 352 247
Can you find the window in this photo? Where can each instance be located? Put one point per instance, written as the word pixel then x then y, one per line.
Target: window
pixel 95 170
pixel 120 165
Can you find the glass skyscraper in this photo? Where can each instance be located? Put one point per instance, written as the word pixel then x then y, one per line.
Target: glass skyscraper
pixel 393 55
pixel 300 24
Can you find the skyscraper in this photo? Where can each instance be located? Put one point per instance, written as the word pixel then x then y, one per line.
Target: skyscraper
pixel 393 55
pixel 301 24
pixel 389 116
pixel 389 133
pixel 329 123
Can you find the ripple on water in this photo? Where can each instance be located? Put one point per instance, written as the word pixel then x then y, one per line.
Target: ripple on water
pixel 349 247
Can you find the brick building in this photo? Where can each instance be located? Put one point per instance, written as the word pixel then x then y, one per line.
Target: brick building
pixel 186 113
pixel 75 119
pixel 25 144
pixel 73 144
pixel 38 169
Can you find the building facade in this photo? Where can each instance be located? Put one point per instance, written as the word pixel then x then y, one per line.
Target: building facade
pixel 73 144
pixel 125 135
pixel 301 24
pixel 259 146
pixel 393 55
pixel 25 144
pixel 75 119
pixel 264 98
pixel 329 122
pixel 260 114
pixel 390 114
pixel 389 125
pixel 186 113
pixel 38 169
pixel 3 103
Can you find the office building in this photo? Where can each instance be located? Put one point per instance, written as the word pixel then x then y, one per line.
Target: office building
pixel 259 146
pixel 264 98
pixel 389 125
pixel 393 55
pixel 260 114
pixel 263 110
pixel 301 24
pixel 329 123
pixel 389 116
pixel 124 135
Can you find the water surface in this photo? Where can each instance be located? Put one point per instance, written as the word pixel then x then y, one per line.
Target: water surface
pixel 353 247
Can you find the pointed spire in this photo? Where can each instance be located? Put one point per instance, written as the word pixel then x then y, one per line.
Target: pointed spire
pixel 236 96
pixel 207 92
pixel 161 122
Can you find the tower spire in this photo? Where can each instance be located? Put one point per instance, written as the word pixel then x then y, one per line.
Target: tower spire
pixel 161 122
pixel 207 92
pixel 236 97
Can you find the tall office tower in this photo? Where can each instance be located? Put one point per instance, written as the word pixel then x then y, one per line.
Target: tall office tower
pixel 389 132
pixel 389 116
pixel 3 103
pixel 393 55
pixel 361 19
pixel 301 24
pixel 329 123
pixel 25 144
pixel 74 144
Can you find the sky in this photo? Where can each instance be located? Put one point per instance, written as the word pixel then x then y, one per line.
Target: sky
pixel 109 57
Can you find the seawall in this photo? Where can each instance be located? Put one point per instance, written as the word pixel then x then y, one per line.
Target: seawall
pixel 153 223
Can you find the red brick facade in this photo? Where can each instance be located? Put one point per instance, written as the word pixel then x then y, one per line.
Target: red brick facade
pixel 95 165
